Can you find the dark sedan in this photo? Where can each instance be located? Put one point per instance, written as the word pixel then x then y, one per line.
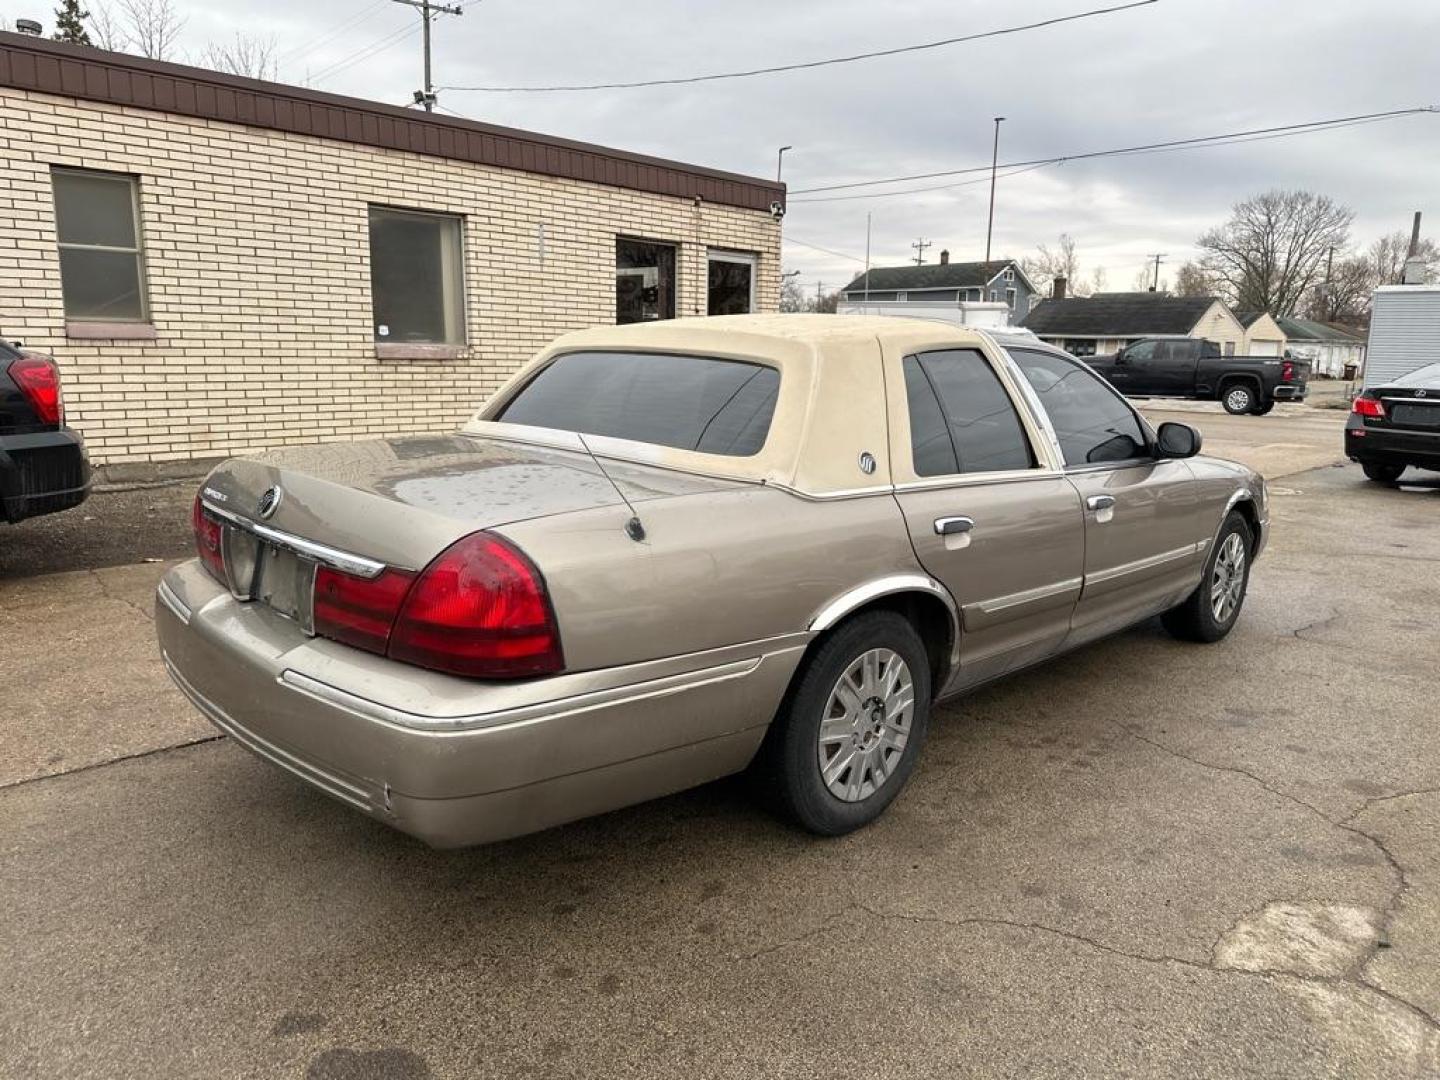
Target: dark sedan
pixel 1396 425
pixel 43 466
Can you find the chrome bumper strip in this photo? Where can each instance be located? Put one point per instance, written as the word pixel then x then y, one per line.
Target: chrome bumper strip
pixel 344 561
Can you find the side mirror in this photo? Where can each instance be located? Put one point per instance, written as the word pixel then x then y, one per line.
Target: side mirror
pixel 1177 441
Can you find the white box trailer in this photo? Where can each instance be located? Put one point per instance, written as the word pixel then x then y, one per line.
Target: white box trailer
pixel 1404 332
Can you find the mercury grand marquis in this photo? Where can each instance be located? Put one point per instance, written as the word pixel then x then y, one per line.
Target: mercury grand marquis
pixel 665 553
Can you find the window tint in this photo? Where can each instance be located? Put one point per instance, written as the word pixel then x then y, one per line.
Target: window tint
pixel 1092 422
pixel 644 281
pixel 731 284
pixel 415 277
pixel 688 402
pixel 101 276
pixel 1146 350
pixel 978 417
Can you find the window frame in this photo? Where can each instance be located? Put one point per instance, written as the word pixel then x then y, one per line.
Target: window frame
pixel 1148 457
pixel 734 257
pixel 141 323
pixel 1038 438
pixel 675 253
pixel 386 348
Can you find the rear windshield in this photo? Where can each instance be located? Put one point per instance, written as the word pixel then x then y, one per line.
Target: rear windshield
pixel 688 402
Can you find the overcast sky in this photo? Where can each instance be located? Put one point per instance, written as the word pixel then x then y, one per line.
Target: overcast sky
pixel 1170 70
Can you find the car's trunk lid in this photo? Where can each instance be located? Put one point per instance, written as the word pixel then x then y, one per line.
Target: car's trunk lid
pixel 403 501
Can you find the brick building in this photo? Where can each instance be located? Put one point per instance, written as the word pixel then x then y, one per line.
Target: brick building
pixel 219 263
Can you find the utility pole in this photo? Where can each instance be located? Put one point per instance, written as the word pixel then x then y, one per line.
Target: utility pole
pixel 428 11
pixel 1155 284
pixel 1328 292
pixel 920 246
pixel 990 224
pixel 867 258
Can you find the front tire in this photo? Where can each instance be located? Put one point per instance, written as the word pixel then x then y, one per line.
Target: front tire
pixel 1238 399
pixel 1382 472
pixel 848 735
pixel 1209 613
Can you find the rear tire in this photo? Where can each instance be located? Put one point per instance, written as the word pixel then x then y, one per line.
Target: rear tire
pixel 845 742
pixel 1263 408
pixel 1238 398
pixel 1382 472
pixel 1209 613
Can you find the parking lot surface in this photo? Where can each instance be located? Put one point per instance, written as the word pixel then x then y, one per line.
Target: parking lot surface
pixel 1147 858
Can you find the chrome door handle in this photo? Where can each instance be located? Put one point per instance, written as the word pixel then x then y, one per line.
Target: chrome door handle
pixel 949 526
pixel 1100 502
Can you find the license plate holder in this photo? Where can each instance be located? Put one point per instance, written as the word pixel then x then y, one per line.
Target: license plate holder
pixel 272 575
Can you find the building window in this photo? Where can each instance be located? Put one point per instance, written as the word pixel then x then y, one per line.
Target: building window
pixel 1009 273
pixel 644 281
pixel 1229 348
pixel 731 283
pixel 994 296
pixel 416 280
pixel 1010 298
pixel 102 272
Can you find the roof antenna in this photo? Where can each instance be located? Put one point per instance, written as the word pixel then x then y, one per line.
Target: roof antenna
pixel 633 528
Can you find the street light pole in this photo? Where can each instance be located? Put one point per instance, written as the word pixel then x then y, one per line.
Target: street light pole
pixel 780 162
pixel 990 225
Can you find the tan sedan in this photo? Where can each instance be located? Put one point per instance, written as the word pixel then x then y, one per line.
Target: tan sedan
pixel 665 553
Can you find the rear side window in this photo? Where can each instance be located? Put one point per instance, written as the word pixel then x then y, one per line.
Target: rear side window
pixel 688 402
pixel 1092 422
pixel 961 418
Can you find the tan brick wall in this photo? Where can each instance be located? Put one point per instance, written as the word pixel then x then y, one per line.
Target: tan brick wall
pixel 257 257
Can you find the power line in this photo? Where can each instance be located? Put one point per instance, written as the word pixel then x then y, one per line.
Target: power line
pixel 921 190
pixel 808 64
pixel 364 53
pixel 335 31
pixel 828 251
pixel 1284 129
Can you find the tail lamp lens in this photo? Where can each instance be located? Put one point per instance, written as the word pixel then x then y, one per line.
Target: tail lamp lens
pixel 1368 406
pixel 359 611
pixel 1287 371
pixel 479 609
pixel 208 540
pixel 39 381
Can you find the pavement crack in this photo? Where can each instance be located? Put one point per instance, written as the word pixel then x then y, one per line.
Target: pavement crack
pixel 111 761
pixel 104 588
pixel 1300 632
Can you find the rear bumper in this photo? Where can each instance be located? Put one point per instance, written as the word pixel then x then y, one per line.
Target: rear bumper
pixel 457 762
pixel 1390 446
pixel 42 473
pixel 1290 392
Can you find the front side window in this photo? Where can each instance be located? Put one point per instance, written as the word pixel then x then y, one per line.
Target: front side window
pixel 731 284
pixel 689 402
pixel 961 418
pixel 644 281
pixel 1092 422
pixel 102 273
pixel 1146 350
pixel 416 281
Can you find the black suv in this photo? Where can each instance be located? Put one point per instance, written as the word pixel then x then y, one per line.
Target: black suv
pixel 43 467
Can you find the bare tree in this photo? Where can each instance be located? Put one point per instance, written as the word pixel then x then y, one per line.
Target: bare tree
pixel 792 295
pixel 1345 296
pixel 1047 264
pixel 106 29
pixel 1272 251
pixel 1145 278
pixel 1192 280
pixel 1098 280
pixel 251 56
pixel 153 27
pixel 827 304
pixel 1386 257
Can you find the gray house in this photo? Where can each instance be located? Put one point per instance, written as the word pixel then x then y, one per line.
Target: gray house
pixel 999 281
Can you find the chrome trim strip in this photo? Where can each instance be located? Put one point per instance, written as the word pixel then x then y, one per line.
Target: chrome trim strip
pixel 847 602
pixel 1147 563
pixel 344 561
pixel 957 480
pixel 167 596
pixel 618 696
pixel 1011 600
pixel 311 774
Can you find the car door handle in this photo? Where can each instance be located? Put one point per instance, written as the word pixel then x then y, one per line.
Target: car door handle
pixel 949 526
pixel 1100 502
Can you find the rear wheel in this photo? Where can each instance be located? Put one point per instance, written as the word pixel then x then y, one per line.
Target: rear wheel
pixel 847 738
pixel 1382 472
pixel 1238 398
pixel 1263 408
pixel 1210 611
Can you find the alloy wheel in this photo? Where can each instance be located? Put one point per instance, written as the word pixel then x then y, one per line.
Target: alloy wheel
pixel 1227 580
pixel 866 725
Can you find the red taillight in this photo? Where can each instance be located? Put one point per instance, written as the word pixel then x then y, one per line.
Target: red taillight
pixel 207 540
pixel 479 609
pixel 359 611
pixel 1368 406
pixel 1287 371
pixel 39 380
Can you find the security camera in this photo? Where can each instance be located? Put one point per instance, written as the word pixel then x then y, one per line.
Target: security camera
pixel 777 209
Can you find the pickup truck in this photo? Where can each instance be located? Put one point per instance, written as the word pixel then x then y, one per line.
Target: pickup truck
pixel 43 466
pixel 1186 367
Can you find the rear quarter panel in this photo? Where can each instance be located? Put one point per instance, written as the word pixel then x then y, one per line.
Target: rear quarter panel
pixel 714 569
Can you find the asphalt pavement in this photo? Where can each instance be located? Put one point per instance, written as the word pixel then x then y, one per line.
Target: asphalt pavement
pixel 1144 859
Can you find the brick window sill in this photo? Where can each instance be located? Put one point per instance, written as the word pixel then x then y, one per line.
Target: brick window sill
pixel 110 331
pixel 411 351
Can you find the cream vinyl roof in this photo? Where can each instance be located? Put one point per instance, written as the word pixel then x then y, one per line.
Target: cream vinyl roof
pixel 831 406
